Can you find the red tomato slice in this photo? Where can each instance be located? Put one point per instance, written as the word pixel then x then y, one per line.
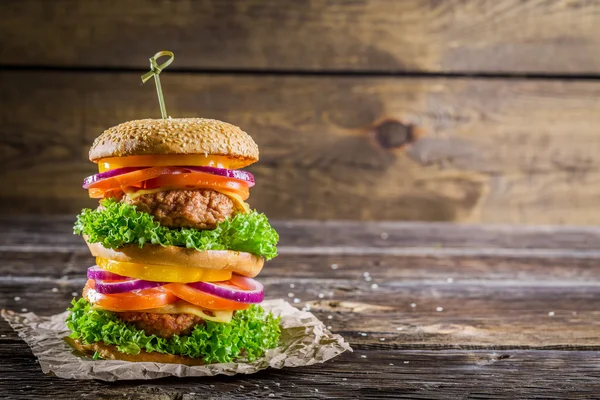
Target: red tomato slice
pixel 202 299
pixel 200 180
pixel 129 301
pixel 132 178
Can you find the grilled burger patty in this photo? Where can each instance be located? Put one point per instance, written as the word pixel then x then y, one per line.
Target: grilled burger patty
pixel 162 325
pixel 199 209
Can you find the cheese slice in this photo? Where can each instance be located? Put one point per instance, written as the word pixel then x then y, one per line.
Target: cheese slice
pixel 183 307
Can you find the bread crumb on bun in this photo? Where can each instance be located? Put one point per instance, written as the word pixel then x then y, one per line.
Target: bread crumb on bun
pixel 176 136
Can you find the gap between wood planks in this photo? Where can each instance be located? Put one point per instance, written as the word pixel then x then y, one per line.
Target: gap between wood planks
pixel 359 251
pixel 308 72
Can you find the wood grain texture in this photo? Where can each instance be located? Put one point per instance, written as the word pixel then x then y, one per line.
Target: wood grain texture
pixel 494 338
pixel 395 374
pixel 507 151
pixel 509 36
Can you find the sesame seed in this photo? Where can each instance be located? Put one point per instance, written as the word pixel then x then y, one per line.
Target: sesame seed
pixel 266 387
pixel 277 384
pixel 365 274
pixel 297 300
pixel 374 286
pixel 384 235
pixel 328 326
pixel 344 379
pixel 321 295
pixel 439 309
pixel 292 285
pixel 363 356
pixel 290 294
pixel 330 294
pixel 329 316
pixel 368 279
pixel 23 309
pixel 382 339
pixel 54 290
pixel 450 280
pixel 391 363
pixel 399 328
pixel 574 313
pixel 271 395
pixel 316 390
pixel 17 298
pixel 413 305
pixel 74 294
pixel 406 362
pixel 2 335
pixel 334 266
pixel 551 314
pixel 242 386
pixel 363 334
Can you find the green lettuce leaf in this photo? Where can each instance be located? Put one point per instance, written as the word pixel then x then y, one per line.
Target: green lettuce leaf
pixel 248 335
pixel 118 224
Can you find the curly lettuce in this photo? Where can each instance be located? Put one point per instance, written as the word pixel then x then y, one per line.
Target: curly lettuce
pixel 249 334
pixel 118 224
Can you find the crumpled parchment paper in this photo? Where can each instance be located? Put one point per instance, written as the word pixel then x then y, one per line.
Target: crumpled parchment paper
pixel 304 341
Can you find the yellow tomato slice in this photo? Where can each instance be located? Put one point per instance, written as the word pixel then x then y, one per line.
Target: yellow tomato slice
pixel 198 160
pixel 163 273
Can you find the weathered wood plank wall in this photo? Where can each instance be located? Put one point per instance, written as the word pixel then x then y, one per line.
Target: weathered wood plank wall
pixel 339 137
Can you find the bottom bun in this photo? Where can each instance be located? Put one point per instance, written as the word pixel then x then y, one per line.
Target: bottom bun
pixel 110 352
pixel 241 263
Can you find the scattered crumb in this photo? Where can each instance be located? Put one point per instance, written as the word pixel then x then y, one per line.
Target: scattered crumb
pixel 17 298
pixel 290 294
pixel 292 285
pixel 330 294
pixel 439 309
pixel 334 266
pixel 374 286
pixel 297 300
pixel 212 386
pixel 277 384
pixel 54 290
pixel 574 313
pixel 551 314
pixel 242 386
pixel 413 305
pixel 316 390
pixel 321 295
pixel 384 235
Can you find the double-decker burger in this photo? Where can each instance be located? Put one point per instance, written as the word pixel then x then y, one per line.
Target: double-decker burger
pixel 176 247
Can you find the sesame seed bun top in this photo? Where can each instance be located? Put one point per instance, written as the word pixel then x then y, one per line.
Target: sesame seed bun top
pixel 176 136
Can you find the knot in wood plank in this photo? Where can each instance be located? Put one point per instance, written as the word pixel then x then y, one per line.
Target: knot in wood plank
pixel 391 134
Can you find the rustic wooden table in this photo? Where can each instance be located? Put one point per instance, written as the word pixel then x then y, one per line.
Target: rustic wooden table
pixel 431 310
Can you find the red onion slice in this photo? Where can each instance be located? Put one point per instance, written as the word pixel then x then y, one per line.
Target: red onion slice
pixel 253 295
pixel 90 180
pixel 229 173
pixel 113 287
pixel 97 273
